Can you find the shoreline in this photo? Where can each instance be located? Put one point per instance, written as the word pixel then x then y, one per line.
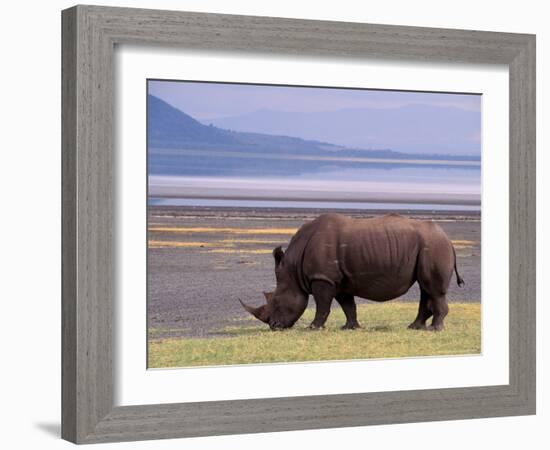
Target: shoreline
pixel 345 197
pixel 263 212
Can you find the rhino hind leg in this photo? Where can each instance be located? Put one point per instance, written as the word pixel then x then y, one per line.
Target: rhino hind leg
pixel 347 302
pixel 434 270
pixel 440 309
pixel 424 312
pixel 323 293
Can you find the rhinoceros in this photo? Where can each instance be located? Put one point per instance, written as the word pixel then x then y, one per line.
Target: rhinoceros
pixel 379 259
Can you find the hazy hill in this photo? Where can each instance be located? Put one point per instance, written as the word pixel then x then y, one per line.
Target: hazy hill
pixel 169 127
pixel 167 124
pixel 414 128
pixel 180 145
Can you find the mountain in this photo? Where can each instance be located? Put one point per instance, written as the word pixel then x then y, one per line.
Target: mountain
pixel 168 127
pixel 166 124
pixel 414 128
pixel 180 145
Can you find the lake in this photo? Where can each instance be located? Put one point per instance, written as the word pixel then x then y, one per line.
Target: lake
pixel 365 186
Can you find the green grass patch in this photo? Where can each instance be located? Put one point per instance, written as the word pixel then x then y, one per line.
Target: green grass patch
pixel 384 335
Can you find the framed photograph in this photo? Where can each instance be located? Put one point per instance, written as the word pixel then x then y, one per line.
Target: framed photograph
pixel 268 222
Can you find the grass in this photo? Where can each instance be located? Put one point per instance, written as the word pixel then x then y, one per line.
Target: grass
pixel 384 335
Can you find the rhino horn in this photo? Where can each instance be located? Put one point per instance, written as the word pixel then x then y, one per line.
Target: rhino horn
pixel 259 313
pixel 268 296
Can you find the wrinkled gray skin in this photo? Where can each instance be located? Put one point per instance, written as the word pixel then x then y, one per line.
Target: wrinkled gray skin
pixel 337 257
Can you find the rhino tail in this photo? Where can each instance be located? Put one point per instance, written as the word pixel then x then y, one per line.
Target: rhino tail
pixel 459 279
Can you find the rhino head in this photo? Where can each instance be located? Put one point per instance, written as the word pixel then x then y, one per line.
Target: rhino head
pixel 286 304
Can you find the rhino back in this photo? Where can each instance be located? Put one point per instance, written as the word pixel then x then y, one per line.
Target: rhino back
pixel 372 258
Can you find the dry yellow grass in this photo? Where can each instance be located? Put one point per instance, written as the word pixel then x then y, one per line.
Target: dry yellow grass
pixel 228 244
pixel 226 230
pixel 462 243
pixel 172 244
pixel 220 246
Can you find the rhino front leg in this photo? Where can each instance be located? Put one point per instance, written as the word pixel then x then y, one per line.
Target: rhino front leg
pixel 323 293
pixel 347 302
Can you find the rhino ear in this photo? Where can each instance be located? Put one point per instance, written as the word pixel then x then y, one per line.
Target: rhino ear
pixel 268 296
pixel 278 255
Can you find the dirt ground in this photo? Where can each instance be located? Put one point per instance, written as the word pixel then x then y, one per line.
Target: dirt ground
pixel 202 260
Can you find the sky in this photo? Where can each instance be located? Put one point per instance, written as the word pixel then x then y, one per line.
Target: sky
pixel 213 100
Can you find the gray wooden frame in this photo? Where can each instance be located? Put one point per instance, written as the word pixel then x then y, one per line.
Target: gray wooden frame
pixel 89 34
